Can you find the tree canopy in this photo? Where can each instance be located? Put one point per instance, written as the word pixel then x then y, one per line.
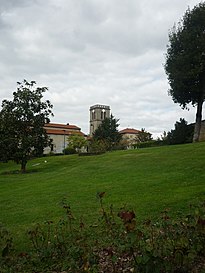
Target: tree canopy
pixel 185 62
pixel 108 132
pixel 21 124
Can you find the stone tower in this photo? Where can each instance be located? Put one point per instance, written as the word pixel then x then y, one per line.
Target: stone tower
pixel 97 114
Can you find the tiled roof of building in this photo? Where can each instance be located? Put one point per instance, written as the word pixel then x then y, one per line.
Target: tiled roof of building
pixel 63 132
pixel 129 131
pixel 61 126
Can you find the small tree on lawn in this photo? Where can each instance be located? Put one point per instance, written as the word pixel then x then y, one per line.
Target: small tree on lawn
pixel 21 124
pixel 76 142
pixel 185 62
pixel 108 132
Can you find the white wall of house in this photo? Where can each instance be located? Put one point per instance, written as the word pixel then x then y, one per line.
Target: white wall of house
pixel 59 143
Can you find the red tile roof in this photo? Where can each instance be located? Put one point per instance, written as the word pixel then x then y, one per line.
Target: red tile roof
pixel 61 126
pixel 63 132
pixel 129 131
pixel 62 129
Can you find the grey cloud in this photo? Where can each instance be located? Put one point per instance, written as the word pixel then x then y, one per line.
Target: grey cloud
pixel 91 51
pixel 6 5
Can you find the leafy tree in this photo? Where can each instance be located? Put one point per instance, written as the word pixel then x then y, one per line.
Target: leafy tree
pixel 143 136
pixel 21 124
pixel 183 133
pixel 185 62
pixel 76 142
pixel 108 132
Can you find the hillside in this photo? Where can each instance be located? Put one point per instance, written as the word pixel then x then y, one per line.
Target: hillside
pixel 147 180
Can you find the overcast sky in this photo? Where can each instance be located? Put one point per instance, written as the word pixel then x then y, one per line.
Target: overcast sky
pixel 91 52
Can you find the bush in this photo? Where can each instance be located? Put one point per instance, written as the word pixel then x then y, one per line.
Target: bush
pixel 69 151
pixel 97 146
pixel 91 154
pixel 115 243
pixel 151 143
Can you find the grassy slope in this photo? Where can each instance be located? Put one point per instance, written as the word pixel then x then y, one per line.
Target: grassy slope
pixel 148 180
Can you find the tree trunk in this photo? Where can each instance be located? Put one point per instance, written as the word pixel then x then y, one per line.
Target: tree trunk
pixel 23 165
pixel 197 127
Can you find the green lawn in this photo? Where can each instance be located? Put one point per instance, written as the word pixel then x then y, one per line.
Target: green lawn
pixel 147 180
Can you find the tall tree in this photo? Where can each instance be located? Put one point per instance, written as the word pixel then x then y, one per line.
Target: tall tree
pixel 21 124
pixel 108 132
pixel 185 62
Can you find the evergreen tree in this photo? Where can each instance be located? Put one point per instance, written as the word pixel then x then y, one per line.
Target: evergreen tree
pixel 183 133
pixel 108 132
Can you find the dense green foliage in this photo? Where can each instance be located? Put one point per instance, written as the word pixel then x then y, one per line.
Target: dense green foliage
pixel 97 146
pixel 21 124
pixel 147 144
pixel 76 143
pixel 107 132
pixel 185 62
pixel 182 133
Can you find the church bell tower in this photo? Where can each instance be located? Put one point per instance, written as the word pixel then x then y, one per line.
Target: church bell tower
pixel 97 114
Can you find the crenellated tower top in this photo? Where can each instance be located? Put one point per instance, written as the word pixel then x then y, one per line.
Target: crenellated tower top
pixel 98 113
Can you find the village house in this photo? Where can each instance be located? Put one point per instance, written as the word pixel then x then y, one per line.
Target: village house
pixel 129 136
pixel 59 134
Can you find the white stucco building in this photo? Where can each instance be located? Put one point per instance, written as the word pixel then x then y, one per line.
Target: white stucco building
pixel 59 133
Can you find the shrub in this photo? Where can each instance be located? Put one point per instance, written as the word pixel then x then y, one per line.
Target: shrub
pixel 69 151
pixel 115 243
pixel 97 146
pixel 151 143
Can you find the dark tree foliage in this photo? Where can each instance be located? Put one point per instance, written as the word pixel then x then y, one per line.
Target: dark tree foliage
pixel 108 132
pixel 185 62
pixel 183 133
pixel 21 124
